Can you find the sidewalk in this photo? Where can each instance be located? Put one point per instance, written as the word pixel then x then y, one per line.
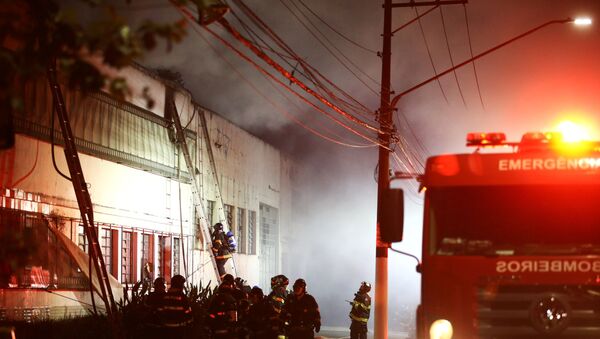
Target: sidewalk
pixel 344 333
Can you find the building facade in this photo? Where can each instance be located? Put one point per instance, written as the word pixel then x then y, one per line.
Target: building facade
pixel 148 221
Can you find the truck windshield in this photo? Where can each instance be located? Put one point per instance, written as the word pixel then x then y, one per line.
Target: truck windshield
pixel 514 220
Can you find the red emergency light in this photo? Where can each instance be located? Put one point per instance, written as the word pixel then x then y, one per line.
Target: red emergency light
pixel 486 139
pixel 541 137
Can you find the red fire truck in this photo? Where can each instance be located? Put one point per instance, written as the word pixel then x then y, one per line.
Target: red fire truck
pixel 511 240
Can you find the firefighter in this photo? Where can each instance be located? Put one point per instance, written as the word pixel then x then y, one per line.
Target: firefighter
pixel 360 312
pixel 259 314
pixel 173 311
pixel 222 310
pixel 276 300
pixel 302 313
pixel 155 297
pixel 220 248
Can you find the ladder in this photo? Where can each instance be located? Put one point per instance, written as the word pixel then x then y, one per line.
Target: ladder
pixel 83 199
pixel 197 197
pixel 213 167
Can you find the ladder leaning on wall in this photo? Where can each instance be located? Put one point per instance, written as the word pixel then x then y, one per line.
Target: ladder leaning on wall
pixel 204 224
pixel 83 201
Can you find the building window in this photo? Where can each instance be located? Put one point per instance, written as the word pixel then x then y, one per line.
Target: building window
pixel 161 256
pixel 147 254
pixel 176 255
pixel 82 238
pixel 251 232
pixel 240 230
pixel 229 216
pixel 210 207
pixel 127 257
pixel 106 247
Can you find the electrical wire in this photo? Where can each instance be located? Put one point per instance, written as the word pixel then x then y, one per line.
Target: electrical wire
pixel 286 74
pixel 262 70
pixel 331 44
pixel 324 36
pixel 423 148
pixel 336 31
pixel 417 18
pixel 37 151
pixel 450 55
pixel 473 63
pixel 269 32
pixel 273 103
pixel 406 254
pixel 430 56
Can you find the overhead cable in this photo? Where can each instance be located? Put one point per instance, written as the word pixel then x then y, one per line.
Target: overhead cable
pixel 471 50
pixel 225 24
pixel 308 69
pixel 272 103
pixel 429 54
pixel 450 55
pixel 336 31
pixel 332 45
pixel 262 70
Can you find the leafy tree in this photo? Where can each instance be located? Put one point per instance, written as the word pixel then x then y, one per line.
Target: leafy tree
pixel 37 33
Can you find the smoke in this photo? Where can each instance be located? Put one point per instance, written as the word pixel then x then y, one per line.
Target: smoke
pixel 528 85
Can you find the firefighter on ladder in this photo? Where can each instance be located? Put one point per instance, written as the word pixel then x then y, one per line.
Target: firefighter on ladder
pixel 220 248
pixel 360 312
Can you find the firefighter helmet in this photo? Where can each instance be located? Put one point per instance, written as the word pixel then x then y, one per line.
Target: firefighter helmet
pixel 177 281
pixel 228 279
pixel 159 284
pixel 365 287
pixel 300 283
pixel 257 291
pixel 279 281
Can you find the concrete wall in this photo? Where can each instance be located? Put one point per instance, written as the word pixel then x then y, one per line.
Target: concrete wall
pixel 126 199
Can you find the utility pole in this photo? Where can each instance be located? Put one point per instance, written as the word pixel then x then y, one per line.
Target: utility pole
pixel 383 182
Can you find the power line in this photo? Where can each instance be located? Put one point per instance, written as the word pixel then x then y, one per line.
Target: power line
pixel 336 31
pixel 471 50
pixel 418 18
pixel 429 54
pixel 272 103
pixel 306 67
pixel 262 70
pixel 332 45
pixel 450 55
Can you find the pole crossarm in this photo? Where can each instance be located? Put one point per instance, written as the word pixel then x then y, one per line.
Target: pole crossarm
pixel 415 19
pixel 413 3
pixel 397 97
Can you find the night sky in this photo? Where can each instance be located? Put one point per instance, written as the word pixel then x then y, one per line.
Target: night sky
pixel 531 84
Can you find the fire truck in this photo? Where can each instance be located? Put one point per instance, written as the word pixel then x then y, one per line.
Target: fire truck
pixel 511 240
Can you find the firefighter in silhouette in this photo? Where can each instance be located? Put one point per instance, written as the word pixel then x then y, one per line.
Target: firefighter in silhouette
pixel 360 312
pixel 222 310
pixel 173 311
pixel 155 297
pixel 220 248
pixel 150 305
pixel 259 314
pixel 302 313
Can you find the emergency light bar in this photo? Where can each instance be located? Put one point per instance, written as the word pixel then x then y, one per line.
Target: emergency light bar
pixel 533 141
pixel 541 137
pixel 486 139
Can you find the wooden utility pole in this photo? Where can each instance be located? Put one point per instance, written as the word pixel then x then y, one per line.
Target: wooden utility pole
pixel 383 182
